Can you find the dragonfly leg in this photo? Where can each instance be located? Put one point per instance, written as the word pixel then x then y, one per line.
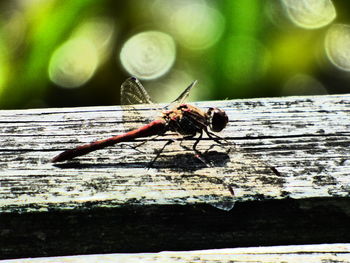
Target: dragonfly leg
pixel 197 141
pixel 183 139
pixel 159 152
pixel 193 146
pixel 217 138
pixel 198 154
pixel 135 147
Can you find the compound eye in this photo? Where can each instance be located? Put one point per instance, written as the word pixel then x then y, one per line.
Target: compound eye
pixel 217 119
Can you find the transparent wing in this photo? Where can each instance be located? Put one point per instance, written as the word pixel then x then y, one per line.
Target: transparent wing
pixel 247 175
pixel 200 184
pixel 234 174
pixel 183 96
pixel 132 92
pixel 206 189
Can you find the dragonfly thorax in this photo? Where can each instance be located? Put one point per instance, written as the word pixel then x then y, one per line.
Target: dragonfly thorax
pixel 217 119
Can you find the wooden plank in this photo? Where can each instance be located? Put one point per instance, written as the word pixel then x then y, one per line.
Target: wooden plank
pixel 297 253
pixel 305 138
pixel 62 209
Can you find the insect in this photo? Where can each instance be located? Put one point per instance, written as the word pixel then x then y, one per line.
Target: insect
pixel 242 171
pixel 185 119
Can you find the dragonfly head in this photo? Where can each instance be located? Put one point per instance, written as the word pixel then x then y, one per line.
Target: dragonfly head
pixel 217 119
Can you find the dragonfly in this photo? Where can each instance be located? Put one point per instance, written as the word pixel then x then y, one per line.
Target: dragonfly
pixel 184 119
pixel 243 174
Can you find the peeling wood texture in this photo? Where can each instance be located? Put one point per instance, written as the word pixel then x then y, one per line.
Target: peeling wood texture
pixel 297 254
pixel 286 161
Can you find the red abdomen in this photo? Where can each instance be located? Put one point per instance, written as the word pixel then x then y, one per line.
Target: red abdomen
pixel 154 128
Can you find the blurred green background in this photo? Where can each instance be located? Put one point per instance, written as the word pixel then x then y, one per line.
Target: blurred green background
pixel 56 53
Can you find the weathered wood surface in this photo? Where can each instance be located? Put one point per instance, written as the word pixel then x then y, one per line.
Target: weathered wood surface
pixel 306 253
pixel 62 209
pixel 306 139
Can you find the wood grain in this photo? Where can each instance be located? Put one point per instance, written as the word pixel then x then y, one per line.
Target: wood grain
pixel 305 140
pixel 286 161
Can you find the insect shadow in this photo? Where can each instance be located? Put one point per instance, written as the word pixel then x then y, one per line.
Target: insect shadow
pixel 190 162
pixel 185 161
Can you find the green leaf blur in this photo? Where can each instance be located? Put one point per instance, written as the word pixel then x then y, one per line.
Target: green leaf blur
pixel 57 53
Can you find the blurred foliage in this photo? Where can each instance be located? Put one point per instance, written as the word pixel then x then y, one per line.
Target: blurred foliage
pixel 56 53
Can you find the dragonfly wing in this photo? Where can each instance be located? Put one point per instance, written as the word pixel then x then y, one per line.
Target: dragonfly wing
pixel 183 96
pixel 132 92
pixel 208 189
pixel 231 174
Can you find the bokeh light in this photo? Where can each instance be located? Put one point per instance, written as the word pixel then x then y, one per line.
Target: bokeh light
pixel 73 63
pixel 310 14
pixel 148 55
pixel 235 49
pixel 197 26
pixel 101 32
pixel 337 46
